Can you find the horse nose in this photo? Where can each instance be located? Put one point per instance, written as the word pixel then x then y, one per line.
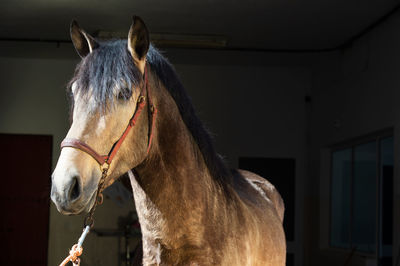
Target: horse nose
pixel 74 190
pixel 66 195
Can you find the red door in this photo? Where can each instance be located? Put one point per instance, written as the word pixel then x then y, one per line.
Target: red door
pixel 25 169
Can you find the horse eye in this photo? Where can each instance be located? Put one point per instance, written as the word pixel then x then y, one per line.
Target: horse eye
pixel 124 94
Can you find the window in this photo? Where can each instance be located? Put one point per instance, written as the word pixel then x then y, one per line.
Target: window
pixel 361 196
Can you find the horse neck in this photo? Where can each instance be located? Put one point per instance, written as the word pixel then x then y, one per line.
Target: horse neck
pixel 174 178
pixel 177 200
pixel 174 167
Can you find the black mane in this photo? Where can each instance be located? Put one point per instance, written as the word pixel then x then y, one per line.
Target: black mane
pixel 111 66
pixel 168 76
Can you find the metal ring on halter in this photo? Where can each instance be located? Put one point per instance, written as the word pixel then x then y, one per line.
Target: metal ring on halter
pixel 104 167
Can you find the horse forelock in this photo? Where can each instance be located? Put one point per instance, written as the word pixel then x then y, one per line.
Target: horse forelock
pixel 105 72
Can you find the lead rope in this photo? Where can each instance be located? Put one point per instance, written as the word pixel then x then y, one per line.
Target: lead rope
pixel 77 249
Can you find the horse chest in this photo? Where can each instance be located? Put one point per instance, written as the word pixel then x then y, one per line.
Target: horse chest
pixel 150 218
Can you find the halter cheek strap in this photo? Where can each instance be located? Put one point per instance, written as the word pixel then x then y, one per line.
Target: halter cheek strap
pixel 105 160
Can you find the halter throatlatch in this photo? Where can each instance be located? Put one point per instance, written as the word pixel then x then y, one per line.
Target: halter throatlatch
pixel 105 160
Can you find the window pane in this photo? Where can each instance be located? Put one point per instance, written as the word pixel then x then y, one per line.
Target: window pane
pixel 340 198
pixel 386 201
pixel 364 198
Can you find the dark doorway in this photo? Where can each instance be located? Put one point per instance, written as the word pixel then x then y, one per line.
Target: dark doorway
pixel 24 198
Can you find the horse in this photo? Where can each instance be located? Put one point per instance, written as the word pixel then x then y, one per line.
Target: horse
pixel 192 209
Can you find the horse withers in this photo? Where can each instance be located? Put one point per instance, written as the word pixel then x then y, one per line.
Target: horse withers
pixel 128 103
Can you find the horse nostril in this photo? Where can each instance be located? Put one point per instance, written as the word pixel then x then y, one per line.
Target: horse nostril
pixel 74 191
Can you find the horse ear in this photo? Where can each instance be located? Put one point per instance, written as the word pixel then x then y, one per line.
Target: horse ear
pixel 138 42
pixel 83 42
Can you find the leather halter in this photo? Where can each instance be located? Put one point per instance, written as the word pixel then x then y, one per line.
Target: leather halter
pixel 105 160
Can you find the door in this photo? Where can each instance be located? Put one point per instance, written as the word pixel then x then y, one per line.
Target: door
pixel 24 198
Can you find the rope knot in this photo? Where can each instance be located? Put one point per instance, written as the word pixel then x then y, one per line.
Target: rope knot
pixel 73 257
pixel 75 252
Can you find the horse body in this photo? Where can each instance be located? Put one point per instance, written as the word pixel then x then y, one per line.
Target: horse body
pixel 191 208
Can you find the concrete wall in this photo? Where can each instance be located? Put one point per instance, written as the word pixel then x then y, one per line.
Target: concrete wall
pixel 252 102
pixel 353 94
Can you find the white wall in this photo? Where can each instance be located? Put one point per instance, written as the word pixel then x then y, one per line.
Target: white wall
pixel 252 102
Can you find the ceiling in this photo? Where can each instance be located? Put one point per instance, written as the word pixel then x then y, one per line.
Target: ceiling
pixel 250 24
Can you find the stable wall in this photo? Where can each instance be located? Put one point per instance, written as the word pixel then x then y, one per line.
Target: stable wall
pixel 354 94
pixel 254 103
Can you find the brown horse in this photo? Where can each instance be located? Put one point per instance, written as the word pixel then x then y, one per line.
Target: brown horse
pixel 192 209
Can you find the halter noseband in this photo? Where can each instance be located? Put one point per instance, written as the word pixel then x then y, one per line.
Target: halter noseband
pixel 105 160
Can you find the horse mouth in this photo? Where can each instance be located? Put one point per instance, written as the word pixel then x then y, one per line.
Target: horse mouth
pixel 82 207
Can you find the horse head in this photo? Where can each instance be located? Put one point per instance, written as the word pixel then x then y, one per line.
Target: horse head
pixel 106 91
